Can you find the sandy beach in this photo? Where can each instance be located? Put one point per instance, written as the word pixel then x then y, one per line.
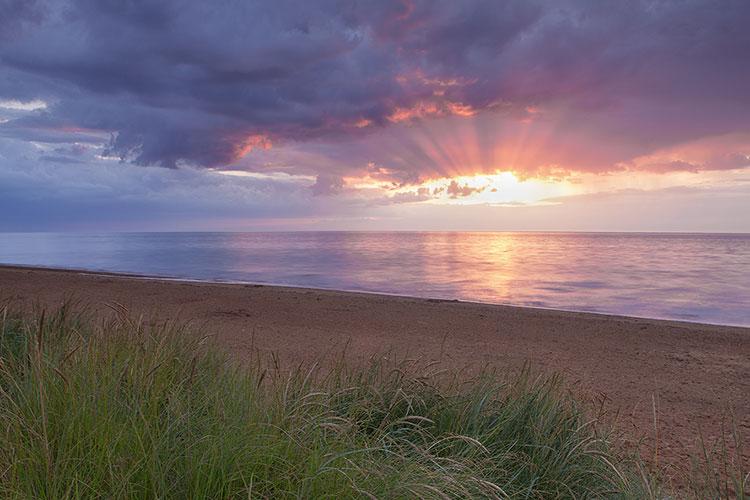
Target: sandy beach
pixel 692 375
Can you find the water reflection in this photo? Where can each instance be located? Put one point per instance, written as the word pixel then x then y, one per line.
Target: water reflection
pixel 689 277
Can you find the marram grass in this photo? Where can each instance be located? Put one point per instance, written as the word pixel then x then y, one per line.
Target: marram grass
pixel 120 409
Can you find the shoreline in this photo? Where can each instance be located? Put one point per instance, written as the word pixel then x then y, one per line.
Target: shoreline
pixel 199 281
pixel 691 374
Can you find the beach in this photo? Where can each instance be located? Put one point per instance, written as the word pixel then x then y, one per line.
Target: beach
pixel 665 381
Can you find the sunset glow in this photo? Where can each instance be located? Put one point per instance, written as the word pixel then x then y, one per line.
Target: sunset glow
pixel 493 187
pixel 393 115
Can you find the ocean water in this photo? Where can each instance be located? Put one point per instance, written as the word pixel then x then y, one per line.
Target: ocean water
pixel 691 277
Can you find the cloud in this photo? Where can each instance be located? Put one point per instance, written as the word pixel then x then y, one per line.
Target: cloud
pixel 16 15
pixel 327 185
pixel 170 83
pixel 76 191
pixel 717 153
pixel 729 161
pixel 330 108
pixel 672 166
pixel 454 190
pixel 97 195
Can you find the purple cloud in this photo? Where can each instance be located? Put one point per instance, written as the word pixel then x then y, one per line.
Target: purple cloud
pixel 207 83
pixel 327 185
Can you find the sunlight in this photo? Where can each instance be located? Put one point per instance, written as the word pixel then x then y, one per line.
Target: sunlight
pixel 502 188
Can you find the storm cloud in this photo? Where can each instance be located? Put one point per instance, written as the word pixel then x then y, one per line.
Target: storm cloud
pixel 210 83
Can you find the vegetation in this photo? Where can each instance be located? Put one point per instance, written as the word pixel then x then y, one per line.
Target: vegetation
pixel 122 409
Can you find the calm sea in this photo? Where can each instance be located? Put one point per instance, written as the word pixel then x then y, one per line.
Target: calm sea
pixel 693 277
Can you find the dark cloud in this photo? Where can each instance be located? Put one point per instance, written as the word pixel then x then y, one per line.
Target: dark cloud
pixel 16 15
pixel 206 83
pixel 67 190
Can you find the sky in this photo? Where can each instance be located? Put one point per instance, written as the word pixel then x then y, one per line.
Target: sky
pixel 229 115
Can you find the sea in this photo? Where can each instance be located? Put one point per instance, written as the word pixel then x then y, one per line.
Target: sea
pixel 689 277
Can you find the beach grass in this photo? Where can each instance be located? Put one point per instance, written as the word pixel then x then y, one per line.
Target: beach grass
pixel 121 408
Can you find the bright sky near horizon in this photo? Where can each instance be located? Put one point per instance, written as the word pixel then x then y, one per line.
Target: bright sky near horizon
pixel 393 115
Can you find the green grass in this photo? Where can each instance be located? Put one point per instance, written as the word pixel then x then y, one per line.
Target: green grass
pixel 120 409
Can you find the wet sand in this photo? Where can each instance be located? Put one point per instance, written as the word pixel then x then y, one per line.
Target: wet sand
pixel 692 374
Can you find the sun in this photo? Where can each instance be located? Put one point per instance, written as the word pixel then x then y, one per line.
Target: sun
pixel 501 188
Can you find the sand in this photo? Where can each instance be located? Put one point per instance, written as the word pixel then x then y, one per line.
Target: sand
pixel 693 375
